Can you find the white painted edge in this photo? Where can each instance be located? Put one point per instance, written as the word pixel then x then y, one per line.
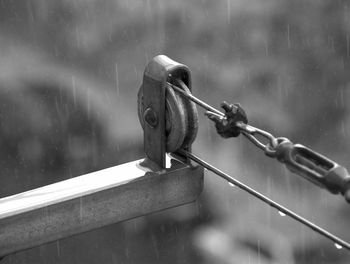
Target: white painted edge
pixel 72 188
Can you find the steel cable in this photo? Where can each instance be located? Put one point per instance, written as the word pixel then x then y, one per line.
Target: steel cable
pixel 249 132
pixel 266 200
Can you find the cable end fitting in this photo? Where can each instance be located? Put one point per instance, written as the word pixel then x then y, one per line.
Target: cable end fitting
pixel 226 125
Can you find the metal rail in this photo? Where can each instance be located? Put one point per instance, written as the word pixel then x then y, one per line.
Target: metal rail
pixel 93 200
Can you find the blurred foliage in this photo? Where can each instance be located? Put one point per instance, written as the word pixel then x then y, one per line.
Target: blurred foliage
pixel 69 74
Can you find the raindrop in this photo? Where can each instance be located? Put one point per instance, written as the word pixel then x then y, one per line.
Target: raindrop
pixel 281 213
pixel 81 209
pixel 74 92
pixel 347 46
pixel 231 184
pixel 155 246
pixel 30 11
pixel 135 70
pixel 108 99
pixel 343 129
pixel 77 37
pixel 288 36
pixel 332 44
pixel 338 246
pixel 58 248
pixel 266 49
pixel 342 102
pixel 117 78
pixel 57 107
pixel 88 104
pixel 228 11
pixel 127 253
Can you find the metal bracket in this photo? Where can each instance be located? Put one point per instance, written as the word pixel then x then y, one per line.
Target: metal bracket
pixel 156 76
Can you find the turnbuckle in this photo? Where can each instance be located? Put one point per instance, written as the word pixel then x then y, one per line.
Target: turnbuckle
pixel 313 166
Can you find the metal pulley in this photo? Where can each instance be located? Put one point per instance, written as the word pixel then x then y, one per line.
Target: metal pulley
pixel 181 118
pixel 169 120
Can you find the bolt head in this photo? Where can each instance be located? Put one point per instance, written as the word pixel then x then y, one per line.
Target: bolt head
pixel 150 117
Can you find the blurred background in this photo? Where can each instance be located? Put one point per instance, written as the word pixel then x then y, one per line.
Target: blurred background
pixel 69 76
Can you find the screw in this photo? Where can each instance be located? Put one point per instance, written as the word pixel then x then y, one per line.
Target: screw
pixel 150 117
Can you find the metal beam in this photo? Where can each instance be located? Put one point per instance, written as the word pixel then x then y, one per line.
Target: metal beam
pixel 93 200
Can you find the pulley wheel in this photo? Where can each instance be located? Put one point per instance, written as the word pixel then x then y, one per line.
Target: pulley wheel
pixel 192 115
pixel 181 118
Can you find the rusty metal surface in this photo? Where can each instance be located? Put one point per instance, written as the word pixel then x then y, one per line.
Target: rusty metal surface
pixel 153 91
pixel 91 201
pixel 154 109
